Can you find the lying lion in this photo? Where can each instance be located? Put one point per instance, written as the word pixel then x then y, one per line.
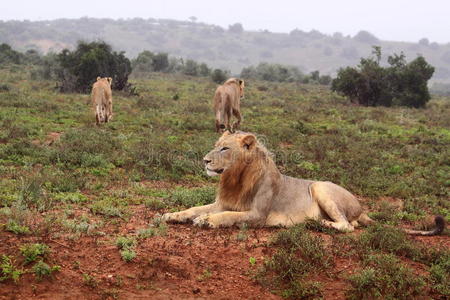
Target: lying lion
pixel 102 99
pixel 253 191
pixel 227 103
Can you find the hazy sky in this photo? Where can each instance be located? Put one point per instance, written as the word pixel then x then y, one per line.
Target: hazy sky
pixel 400 20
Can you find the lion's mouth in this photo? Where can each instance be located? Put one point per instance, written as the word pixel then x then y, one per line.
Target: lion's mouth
pixel 217 171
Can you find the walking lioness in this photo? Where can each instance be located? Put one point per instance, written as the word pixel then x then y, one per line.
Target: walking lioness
pixel 227 102
pixel 102 99
pixel 253 191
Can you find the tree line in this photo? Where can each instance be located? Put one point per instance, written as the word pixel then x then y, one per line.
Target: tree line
pixel 370 84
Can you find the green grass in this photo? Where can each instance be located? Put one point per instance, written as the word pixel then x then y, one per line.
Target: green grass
pixel 31 252
pixel 8 270
pixel 384 277
pixel 151 155
pixel 298 255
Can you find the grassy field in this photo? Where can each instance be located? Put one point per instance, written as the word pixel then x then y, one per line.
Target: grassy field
pixel 65 182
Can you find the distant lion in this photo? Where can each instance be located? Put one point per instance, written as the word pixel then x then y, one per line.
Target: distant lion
pixel 227 102
pixel 253 191
pixel 102 99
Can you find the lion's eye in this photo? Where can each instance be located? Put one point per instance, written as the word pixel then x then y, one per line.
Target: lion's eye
pixel 224 149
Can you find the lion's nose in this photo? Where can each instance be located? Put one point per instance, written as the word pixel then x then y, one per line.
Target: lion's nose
pixel 206 161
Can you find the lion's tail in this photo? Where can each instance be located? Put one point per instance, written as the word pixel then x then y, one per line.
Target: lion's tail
pixel 365 220
pixel 439 227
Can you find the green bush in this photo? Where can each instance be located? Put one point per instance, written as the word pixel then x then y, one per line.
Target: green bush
pixel 385 277
pixel 82 66
pixel 371 84
pixel 31 252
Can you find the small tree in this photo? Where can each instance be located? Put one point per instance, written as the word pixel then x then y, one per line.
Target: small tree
pixel 236 28
pixel 160 62
pixel 400 84
pixel 87 62
pixel 219 76
pixel 8 55
pixel 190 68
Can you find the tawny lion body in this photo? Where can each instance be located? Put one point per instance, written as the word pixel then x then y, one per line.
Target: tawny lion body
pixel 253 191
pixel 102 99
pixel 227 102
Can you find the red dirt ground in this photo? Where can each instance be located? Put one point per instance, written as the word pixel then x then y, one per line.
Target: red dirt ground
pixel 187 263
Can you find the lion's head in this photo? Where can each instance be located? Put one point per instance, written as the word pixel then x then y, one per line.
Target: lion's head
pixel 105 79
pixel 240 83
pixel 230 151
pixel 241 161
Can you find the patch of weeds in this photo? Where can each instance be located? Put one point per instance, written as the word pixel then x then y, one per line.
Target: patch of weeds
pixel 384 276
pixel 128 254
pixel 298 254
pixel 31 252
pixel 7 269
pixel 242 234
pixel 14 227
pixel 83 226
pixel 126 246
pixel 41 269
pixel 32 195
pixel 252 261
pixel 123 242
pixel 388 239
pixel 192 197
pixel 386 213
pixel 76 197
pixel 89 280
pixel 154 204
pixel 110 207
pixel 205 275
pixel 440 274
pixel 157 228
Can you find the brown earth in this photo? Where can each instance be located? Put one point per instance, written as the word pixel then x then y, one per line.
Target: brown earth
pixel 186 263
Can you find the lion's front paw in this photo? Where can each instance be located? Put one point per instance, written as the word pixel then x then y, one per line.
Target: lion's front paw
pixel 204 222
pixel 176 217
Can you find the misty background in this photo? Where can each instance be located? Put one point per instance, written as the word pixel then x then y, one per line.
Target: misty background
pixel 312 35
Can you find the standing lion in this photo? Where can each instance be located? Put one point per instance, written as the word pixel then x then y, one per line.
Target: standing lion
pixel 102 99
pixel 227 102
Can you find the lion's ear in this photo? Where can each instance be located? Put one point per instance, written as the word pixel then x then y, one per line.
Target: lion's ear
pixel 248 141
pixel 226 133
pixel 241 82
pixel 109 80
pixel 98 78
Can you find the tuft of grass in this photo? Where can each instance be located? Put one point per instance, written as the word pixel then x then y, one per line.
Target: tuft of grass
pixel 384 276
pixel 192 197
pixel 14 227
pixel 7 269
pixel 388 239
pixel 128 254
pixel 41 269
pixel 123 242
pixel 440 274
pixel 31 252
pixel 154 204
pixel 298 253
pixel 109 207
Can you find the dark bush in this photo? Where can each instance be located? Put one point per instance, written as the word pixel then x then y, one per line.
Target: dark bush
pixel 219 76
pixel 81 67
pixel 371 84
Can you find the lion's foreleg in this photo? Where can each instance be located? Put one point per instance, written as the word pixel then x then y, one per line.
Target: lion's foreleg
pixel 191 213
pixel 228 219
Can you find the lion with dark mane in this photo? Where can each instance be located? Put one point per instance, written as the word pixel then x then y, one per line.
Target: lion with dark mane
pixel 253 191
pixel 227 102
